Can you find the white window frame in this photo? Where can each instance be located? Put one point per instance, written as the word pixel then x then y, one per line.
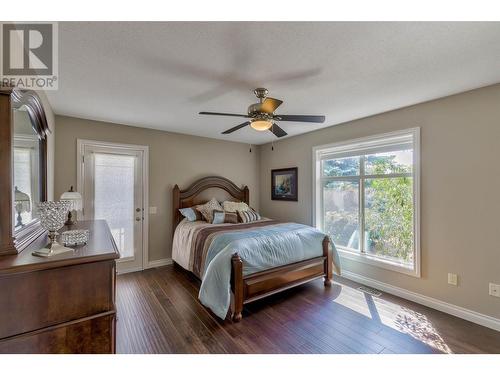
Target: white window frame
pixel 380 143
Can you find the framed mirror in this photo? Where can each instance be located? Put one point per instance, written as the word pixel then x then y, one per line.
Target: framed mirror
pixel 28 181
pixel 23 128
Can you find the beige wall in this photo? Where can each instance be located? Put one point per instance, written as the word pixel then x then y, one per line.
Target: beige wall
pixel 460 184
pixel 173 159
pixel 460 192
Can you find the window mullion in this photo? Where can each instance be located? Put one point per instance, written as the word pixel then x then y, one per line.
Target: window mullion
pixel 322 204
pixel 362 204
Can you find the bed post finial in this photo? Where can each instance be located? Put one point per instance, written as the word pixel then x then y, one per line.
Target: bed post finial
pixel 175 204
pixel 327 253
pixel 246 195
pixel 237 286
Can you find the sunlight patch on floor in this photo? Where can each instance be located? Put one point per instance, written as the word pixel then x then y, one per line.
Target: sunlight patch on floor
pixel 419 327
pixel 352 300
pixel 394 316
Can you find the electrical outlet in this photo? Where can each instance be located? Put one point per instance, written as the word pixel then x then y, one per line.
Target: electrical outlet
pixel 453 279
pixel 152 210
pixel 494 290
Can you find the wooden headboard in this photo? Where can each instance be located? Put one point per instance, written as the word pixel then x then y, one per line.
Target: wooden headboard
pixel 193 194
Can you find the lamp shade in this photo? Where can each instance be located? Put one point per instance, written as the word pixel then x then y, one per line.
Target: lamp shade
pixel 74 198
pixel 22 200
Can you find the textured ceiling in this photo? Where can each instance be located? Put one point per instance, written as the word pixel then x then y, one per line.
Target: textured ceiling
pixel 160 75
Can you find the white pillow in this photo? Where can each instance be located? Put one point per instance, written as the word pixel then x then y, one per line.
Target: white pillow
pixel 235 206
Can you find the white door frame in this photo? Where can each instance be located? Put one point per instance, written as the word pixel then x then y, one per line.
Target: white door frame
pixel 80 178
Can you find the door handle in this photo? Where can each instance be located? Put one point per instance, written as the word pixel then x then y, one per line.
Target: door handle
pixel 138 209
pixel 137 219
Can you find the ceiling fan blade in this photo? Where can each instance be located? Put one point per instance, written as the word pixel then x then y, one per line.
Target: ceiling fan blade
pixel 237 127
pixel 301 118
pixel 223 114
pixel 277 131
pixel 269 105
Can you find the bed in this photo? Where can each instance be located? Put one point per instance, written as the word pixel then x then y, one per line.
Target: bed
pixel 241 263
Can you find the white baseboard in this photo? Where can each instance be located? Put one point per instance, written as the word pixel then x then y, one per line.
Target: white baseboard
pixel 158 263
pixel 461 312
pixel 135 269
pixel 151 264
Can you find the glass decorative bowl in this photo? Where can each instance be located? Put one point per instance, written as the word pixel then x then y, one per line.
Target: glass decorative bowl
pixel 52 217
pixel 75 237
pixel 53 214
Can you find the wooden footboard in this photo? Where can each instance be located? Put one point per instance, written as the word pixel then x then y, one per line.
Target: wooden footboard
pixel 258 285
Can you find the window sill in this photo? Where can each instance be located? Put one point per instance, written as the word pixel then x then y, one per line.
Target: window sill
pixel 378 262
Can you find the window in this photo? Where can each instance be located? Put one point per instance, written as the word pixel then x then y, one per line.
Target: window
pixel 366 198
pixel 25 179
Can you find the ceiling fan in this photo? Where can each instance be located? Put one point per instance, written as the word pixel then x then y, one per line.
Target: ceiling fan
pixel 262 116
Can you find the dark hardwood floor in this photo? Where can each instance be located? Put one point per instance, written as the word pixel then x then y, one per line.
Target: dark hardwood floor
pixel 158 312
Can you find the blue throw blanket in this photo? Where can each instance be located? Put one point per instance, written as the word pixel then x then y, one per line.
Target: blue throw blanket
pixel 260 249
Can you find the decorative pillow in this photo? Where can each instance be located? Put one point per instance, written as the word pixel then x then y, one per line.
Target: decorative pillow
pixel 191 214
pixel 230 217
pixel 224 217
pixel 208 208
pixel 218 217
pixel 235 206
pixel 248 216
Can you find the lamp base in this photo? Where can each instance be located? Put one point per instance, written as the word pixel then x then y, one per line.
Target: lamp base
pixel 70 220
pixel 51 250
pixel 19 219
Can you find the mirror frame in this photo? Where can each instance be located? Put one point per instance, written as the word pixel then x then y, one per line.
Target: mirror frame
pixel 12 242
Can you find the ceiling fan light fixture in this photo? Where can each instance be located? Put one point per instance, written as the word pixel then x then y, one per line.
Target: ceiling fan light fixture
pixel 261 125
pixel 261 116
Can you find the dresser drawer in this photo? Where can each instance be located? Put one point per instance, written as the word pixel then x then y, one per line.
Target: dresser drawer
pixel 34 300
pixel 90 335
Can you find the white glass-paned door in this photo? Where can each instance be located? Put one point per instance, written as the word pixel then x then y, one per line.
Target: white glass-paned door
pixel 114 197
pixel 113 188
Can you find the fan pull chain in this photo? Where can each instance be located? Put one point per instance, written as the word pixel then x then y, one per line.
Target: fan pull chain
pixel 272 142
pixel 250 148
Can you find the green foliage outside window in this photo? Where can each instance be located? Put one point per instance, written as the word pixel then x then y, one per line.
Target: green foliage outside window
pixel 389 212
pixel 388 206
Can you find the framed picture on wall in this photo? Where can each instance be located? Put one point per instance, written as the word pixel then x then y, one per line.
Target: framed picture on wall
pixel 284 184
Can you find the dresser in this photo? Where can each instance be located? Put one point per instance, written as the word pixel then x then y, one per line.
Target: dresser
pixel 62 304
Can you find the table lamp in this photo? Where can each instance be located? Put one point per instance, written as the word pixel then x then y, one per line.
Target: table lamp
pixel 75 200
pixel 22 203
